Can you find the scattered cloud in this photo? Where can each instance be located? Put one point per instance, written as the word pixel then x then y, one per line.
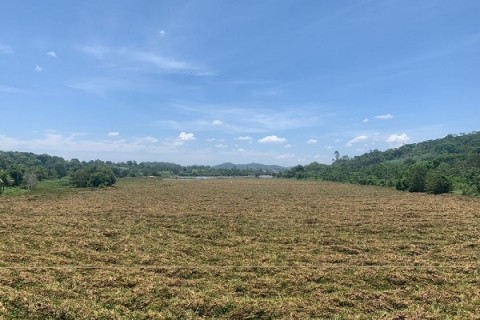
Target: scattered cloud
pixel 38 68
pixel 244 138
pixel 183 136
pixel 312 141
pixel 113 134
pixel 162 33
pixel 241 150
pixel 365 120
pixel 6 49
pixel 181 139
pixel 398 139
pixel 356 140
pixel 288 146
pixel 211 139
pixel 217 123
pixel 52 54
pixel 221 146
pixel 387 116
pixel 122 55
pixel 286 156
pixel 272 139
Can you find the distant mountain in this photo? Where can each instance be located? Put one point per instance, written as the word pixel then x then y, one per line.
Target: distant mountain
pixel 249 166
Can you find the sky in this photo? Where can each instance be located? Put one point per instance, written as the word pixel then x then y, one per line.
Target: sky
pixel 281 82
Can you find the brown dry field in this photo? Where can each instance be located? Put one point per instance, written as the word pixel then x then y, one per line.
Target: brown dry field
pixel 239 249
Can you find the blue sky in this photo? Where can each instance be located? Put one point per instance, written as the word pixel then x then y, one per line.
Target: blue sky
pixel 205 82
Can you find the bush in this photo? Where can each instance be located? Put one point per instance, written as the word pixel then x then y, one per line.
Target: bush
pixel 416 178
pixel 437 184
pixel 93 176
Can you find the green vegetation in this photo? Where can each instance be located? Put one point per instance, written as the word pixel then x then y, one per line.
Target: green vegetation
pixel 436 166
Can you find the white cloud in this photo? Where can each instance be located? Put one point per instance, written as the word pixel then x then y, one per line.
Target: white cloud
pixel 286 156
pixel 387 116
pixel 52 54
pixel 183 136
pixel 240 150
pixel 244 138
pixel 288 146
pixel 221 145
pixel 149 139
pixel 113 134
pixel 356 140
pixel 272 139
pixel 365 120
pixel 211 139
pixel 38 68
pixel 162 33
pixel 144 57
pixel 6 49
pixel 312 141
pixel 398 139
pixel 217 122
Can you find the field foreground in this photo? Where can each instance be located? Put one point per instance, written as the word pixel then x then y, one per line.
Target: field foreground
pixel 239 249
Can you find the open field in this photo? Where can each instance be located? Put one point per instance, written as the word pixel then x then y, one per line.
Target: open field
pixel 239 249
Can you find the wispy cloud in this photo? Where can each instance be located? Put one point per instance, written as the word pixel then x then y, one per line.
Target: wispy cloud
pixel 356 140
pixel 6 49
pixel 16 90
pixel 272 139
pixel 52 54
pixel 247 120
pixel 312 141
pixel 387 116
pixel 144 57
pixel 100 85
pixel 244 138
pixel 113 134
pixel 38 68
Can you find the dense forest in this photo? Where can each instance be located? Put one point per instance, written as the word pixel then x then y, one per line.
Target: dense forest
pixel 436 166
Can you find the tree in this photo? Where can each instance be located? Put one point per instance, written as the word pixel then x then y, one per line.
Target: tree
pixel 16 172
pixel 436 183
pixel 31 180
pixel 93 175
pixel 416 178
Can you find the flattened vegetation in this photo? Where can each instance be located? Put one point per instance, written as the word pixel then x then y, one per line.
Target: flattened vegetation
pixel 237 249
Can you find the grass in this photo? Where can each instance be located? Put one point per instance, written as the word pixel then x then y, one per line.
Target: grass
pixel 238 249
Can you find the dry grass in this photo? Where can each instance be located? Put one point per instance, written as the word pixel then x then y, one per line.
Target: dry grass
pixel 239 249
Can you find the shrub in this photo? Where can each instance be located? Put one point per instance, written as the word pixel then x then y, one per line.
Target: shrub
pixel 416 178
pixel 95 175
pixel 437 183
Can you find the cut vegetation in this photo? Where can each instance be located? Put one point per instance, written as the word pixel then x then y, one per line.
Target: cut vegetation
pixel 238 249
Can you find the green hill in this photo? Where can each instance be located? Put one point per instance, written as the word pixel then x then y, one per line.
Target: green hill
pixel 437 166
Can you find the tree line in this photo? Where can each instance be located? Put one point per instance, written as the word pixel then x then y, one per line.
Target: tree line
pixel 24 169
pixel 434 166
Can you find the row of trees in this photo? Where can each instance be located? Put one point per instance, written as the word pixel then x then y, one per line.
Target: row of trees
pixel 23 169
pixel 437 166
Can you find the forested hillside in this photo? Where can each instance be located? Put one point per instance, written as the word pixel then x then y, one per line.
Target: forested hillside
pixel 436 166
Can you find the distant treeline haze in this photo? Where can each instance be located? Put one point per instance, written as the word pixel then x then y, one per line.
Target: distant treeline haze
pixel 436 166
